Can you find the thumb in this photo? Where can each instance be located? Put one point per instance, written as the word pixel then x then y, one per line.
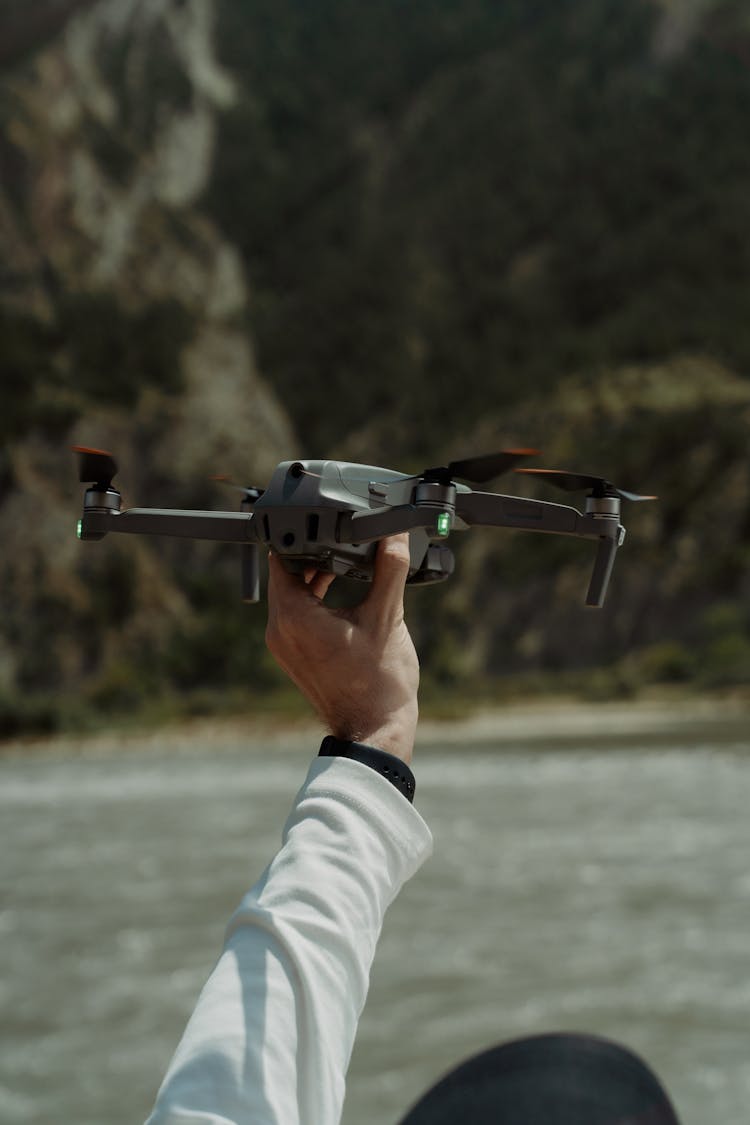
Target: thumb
pixel 392 560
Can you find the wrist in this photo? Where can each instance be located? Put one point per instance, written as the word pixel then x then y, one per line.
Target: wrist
pixel 395 734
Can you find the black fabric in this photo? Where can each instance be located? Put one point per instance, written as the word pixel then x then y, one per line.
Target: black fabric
pixel 556 1079
pixel 391 767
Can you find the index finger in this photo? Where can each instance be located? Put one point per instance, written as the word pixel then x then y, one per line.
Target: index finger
pixel 286 591
pixel 292 597
pixel 318 582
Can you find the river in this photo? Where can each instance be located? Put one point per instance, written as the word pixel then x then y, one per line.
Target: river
pixel 575 884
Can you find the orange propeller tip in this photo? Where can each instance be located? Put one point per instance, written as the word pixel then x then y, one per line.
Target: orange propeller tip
pixel 87 449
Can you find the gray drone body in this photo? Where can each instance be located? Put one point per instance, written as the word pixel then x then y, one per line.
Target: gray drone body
pixel 311 515
pixel 329 515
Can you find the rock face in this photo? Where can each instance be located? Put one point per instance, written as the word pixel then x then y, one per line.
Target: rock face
pixel 678 607
pixel 429 271
pixel 125 320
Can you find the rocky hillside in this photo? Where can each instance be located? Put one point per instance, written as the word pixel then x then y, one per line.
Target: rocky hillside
pixel 678 609
pixel 124 324
pixel 234 233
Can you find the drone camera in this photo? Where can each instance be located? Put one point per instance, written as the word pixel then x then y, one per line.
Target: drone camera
pixel 438 564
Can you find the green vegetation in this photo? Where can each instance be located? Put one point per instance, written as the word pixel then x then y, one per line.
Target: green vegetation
pixel 463 225
pixel 499 194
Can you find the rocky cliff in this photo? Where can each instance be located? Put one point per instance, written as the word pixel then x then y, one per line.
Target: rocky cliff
pixel 124 315
pixel 233 233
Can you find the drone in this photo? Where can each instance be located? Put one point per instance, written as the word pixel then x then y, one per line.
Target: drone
pixel 329 515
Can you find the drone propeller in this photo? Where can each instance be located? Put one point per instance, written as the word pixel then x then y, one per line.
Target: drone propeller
pixel 573 482
pixel 250 494
pixel 95 466
pixel 477 470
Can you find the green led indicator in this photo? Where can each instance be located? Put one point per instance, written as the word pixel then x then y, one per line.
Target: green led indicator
pixel 444 523
pixel 79 528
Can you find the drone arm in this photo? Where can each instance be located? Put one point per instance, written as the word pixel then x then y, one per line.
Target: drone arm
pixel 365 527
pixel 536 515
pixel 224 527
pixel 490 509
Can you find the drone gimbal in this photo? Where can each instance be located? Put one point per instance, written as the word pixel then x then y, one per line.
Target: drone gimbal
pixel 330 514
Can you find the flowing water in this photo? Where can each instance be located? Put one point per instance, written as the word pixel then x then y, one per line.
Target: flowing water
pixel 594 888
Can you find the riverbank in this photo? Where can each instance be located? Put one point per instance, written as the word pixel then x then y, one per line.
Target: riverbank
pixel 570 720
pixel 535 720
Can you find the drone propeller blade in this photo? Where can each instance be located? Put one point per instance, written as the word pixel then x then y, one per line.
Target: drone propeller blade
pixel 477 470
pixel 250 494
pixel 574 482
pixel 624 495
pixel 95 466
pixel 571 482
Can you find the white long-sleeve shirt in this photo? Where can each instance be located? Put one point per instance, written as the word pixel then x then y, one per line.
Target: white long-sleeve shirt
pixel 272 1032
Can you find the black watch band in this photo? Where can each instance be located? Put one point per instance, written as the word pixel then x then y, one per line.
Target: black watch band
pixel 388 765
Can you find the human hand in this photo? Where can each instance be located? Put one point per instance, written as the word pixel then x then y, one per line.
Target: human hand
pixel 357 667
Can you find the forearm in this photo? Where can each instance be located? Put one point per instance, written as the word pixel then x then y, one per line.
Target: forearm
pixel 270 1038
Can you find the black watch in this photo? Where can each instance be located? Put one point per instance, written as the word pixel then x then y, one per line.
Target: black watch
pixel 391 767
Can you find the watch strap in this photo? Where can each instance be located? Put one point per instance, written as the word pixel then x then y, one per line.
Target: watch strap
pixel 388 765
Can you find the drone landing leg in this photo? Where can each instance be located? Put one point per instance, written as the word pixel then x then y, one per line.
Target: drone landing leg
pixel 605 560
pixel 250 573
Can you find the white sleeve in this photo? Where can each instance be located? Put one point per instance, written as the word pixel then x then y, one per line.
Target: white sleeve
pixel 272 1032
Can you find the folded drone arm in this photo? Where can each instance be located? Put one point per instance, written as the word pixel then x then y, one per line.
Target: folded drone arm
pixel 224 527
pixel 491 509
pixel 366 527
